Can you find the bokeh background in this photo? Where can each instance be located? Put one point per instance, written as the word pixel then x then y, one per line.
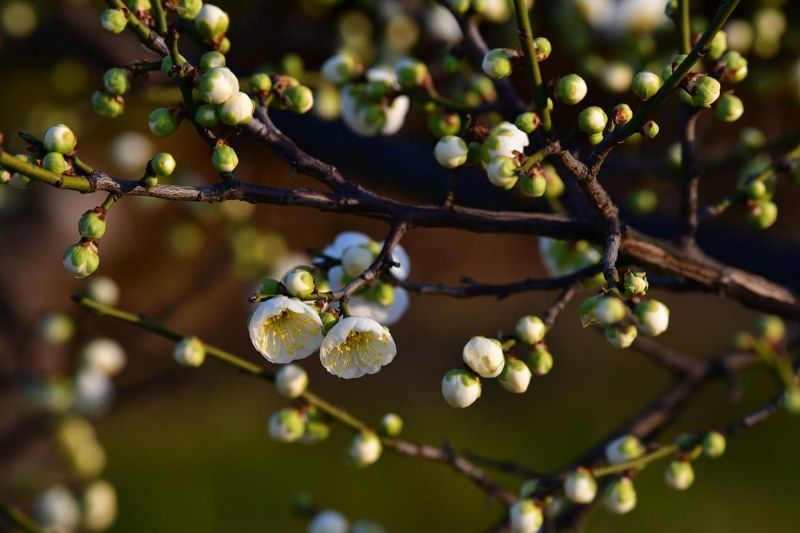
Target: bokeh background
pixel 189 451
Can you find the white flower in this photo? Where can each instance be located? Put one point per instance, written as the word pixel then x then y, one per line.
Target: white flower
pixel 580 486
pixel 217 85
pixel 364 449
pixel 356 346
pixel 679 475
pixel 516 376
pixel 347 239
pixel 484 356
pixel 460 388
pixel 531 329
pixel 291 381
pixel 105 355
pixel 620 496
pixel 623 449
pixel 505 139
pixel 99 506
pixel 56 509
pixel 284 329
pixel 356 259
pixel 525 517
pixel 190 352
pixel 238 109
pixel 386 315
pixel 286 425
pixel 451 151
pixel 93 392
pixel 653 317
pixel 328 521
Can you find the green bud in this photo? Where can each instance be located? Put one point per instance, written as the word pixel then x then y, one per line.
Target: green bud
pixel 621 114
pixel 163 164
pixel 718 45
pixel 621 336
pixel 238 109
pixel 620 496
pixel 646 84
pixel 571 89
pixel 762 214
pixel 390 425
pixel 635 283
pixel 286 425
pixel 587 308
pixel 609 310
pixel 206 115
pixel 771 328
pixel 328 321
pixel 502 171
pixel 117 80
pixel 752 139
pixel 224 158
pixel 211 60
pixel 260 83
pixel 270 287
pixel 729 108
pixel 317 429
pixel 592 120
pixel 224 46
pixel 735 67
pixel 458 6
pixel 299 283
pixel 60 139
pixel 411 73
pixel 299 99
pixel 167 68
pixel 705 91
pixel 107 105
pixel 211 22
pixel 189 352
pixel 384 294
pixel 189 9
pixel 533 185
pixel 650 129
pixel 755 189
pixel 555 185
pixel 528 122
pixel 162 122
pixel 714 444
pixel 679 475
pixel 113 20
pixel 790 400
pixel 543 48
pixel 539 360
pixel 81 259
pixel 442 123
pixel 92 225
pixel 497 63
pixel 148 182
pixel 55 162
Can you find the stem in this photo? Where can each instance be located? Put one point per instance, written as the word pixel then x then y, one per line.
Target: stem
pixel 161 17
pixel 74 183
pixel 18 519
pixel 637 464
pixel 685 26
pixel 531 65
pixel 109 201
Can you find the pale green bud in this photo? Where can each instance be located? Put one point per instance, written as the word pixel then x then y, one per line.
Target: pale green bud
pixel 451 151
pixel 718 45
pixel 790 400
pixel 461 388
pixel 539 360
pixel 714 444
pixel 543 48
pixel 189 352
pixel 646 84
pixel 390 425
pixel 623 449
pixel 162 122
pixel 458 6
pixel 299 99
pixel 534 185
pixel 316 430
pixel 525 516
pixel 592 120
pixel 60 139
pixel 621 114
pixel 497 63
pixel 328 320
pixel 383 294
pixel 364 450
pixel 587 308
pixel 57 328
pixel 211 22
pixel 81 259
pixel 260 83
pixel 762 214
pixel 442 123
pixel 650 129
pixel 117 80
pixel 609 310
pixel 735 67
pixel 528 122
pixel 286 425
pixel 411 73
pixel 148 182
pixel 705 91
pixel 211 60
pixel 502 171
pixel 643 201
pixel 621 336
pixel 238 109
pixel 580 486
pixel 291 381
pixel 217 85
pixel 55 162
pixel 339 68
pixel 224 46
pixel 516 376
pixel 679 475
pixel 206 115
pixel 92 225
pixel 163 164
pixel 555 185
pixel 571 89
pixel 771 328
pixel 620 496
pixel 299 283
pixel 635 283
pixel 189 9
pixel 752 139
pixel 107 105
pixel 729 108
pixel 755 189
pixel 224 158
pixel 113 20
pixel 653 317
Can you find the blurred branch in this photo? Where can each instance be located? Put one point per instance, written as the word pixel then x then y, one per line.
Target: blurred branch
pixel 19 520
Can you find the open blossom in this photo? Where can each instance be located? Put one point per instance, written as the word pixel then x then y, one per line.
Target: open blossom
pixel 356 346
pixel 484 356
pixel 347 239
pixel 283 329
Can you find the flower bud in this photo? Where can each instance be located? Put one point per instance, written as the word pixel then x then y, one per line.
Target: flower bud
pixel 113 20
pixel 411 73
pixel 679 475
pixel 620 496
pixel 81 259
pixel 163 164
pixel 533 185
pixel 55 162
pixel 238 109
pixel 117 81
pixel 530 329
pixel 460 388
pixel 190 352
pixel 299 283
pixel 104 355
pixel 286 425
pixel 543 48
pixel 317 429
pixel 299 99
pixel 718 45
pixel 60 139
pixel 451 151
pixel 206 116
pixel 189 9
pixel 621 114
pixel 92 225
pixel 502 171
pixel 57 510
pixel 383 293
pixel 99 506
pixel 364 449
pixel 580 486
pixel 217 85
pixel 484 356
pixel 328 522
pixel 57 328
pixel 790 400
pixel 525 516
pixel 211 60
pixel 714 444
pixel 211 22
pixel 729 108
pixel 459 6
pixel 442 123
pixel 592 120
pixel 328 321
pixel 762 214
pixel 148 182
pixel 540 360
pixel 162 122
pixel 356 259
pixel 653 317
pixel 528 122
pixel 390 425
pixel 650 129
pixel 621 336
pixel 735 67
pixel 339 68
pixel 771 328
pixel 224 158
pixel 705 91
pixel 635 283
pixel 646 84
pixel 516 376
pixel 497 63
pixel 107 105
pixel 609 310
pixel 571 89
pixel 623 449
pixel 291 381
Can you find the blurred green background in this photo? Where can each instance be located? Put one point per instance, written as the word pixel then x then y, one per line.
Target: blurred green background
pixel 188 450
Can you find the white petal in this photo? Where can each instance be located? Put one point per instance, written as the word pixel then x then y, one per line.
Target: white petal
pixel 356 346
pixel 400 255
pixel 284 329
pixel 396 115
pixel 345 240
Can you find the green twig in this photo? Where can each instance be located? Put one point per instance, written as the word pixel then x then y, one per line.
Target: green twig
pixel 531 64
pixel 74 183
pixel 19 520
pixel 685 26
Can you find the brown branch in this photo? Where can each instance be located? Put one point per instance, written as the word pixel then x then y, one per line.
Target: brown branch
pixel 691 176
pixel 555 309
pixel 664 356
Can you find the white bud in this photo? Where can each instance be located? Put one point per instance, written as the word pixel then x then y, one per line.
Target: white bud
pixel 238 109
pixel 217 85
pixel 484 356
pixel 212 21
pixel 104 355
pixel 299 283
pixel 580 486
pixel 291 381
pixel 620 496
pixel 460 388
pixel 502 171
pixel 356 259
pixel 610 310
pixel 451 151
pixel 328 521
pixel 516 376
pixel 621 336
pixel 93 392
pixel 653 317
pixel 60 139
pixel 623 449
pixel 104 290
pixel 99 506
pixel 531 329
pixel 190 352
pixel 525 517
pixel 679 475
pixel 339 68
pixel 364 449
pixel 286 425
